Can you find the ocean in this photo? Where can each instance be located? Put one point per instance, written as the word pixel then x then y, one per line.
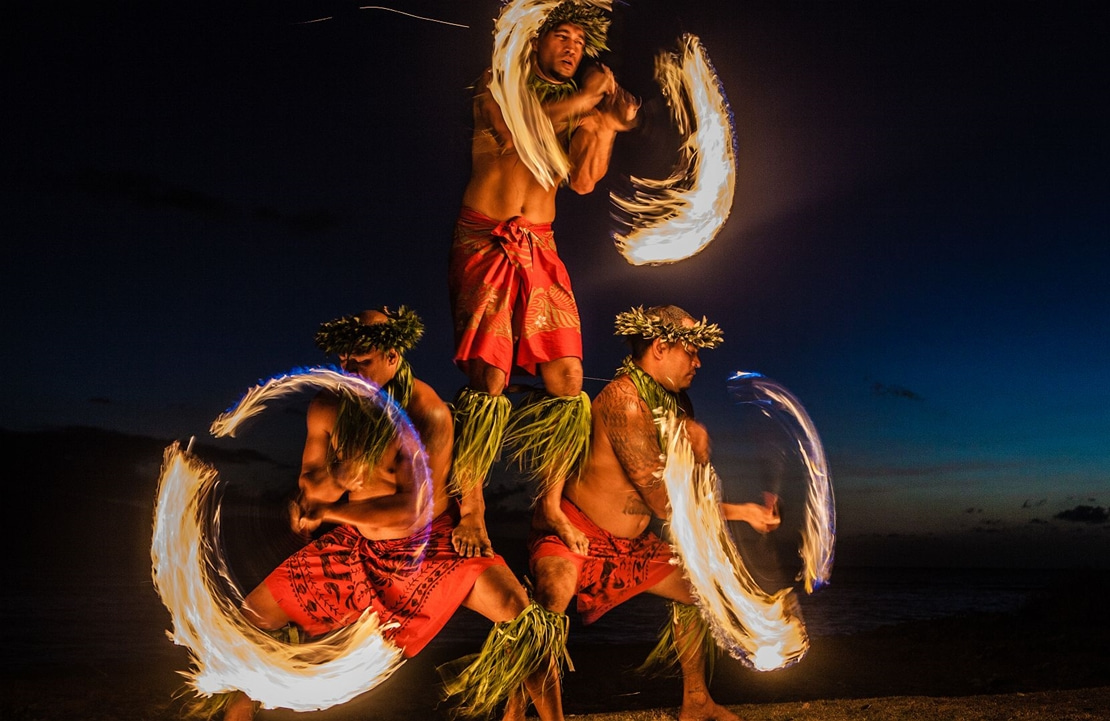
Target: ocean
pixel 100 616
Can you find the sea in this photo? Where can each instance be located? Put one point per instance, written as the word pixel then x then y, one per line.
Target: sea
pixel 102 617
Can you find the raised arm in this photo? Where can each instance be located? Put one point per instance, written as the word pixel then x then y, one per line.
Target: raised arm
pixel 591 145
pixel 487 114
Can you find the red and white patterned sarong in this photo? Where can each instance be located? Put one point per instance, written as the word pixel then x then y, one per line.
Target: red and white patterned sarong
pixel 616 568
pixel 509 289
pixel 329 583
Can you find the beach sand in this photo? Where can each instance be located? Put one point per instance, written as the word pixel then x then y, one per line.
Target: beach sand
pixel 1048 661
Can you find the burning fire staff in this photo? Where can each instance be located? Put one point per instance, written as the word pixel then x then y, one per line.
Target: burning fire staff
pixel 510 293
pixel 620 488
pixel 383 555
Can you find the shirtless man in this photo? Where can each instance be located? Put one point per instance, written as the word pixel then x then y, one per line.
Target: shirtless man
pixel 510 293
pixel 621 488
pixel 355 473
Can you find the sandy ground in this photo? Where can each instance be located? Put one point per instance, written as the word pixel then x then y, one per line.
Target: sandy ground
pixel 1047 662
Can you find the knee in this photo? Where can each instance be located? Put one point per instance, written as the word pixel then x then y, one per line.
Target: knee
pixel 483 377
pixel 262 610
pixel 555 584
pixel 562 377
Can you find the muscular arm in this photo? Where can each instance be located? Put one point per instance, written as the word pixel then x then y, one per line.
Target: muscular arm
pixel 591 145
pixel 390 513
pixel 317 483
pixel 488 114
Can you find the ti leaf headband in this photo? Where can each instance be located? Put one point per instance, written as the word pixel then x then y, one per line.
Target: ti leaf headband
pixel 586 16
pixel 637 322
pixel 349 335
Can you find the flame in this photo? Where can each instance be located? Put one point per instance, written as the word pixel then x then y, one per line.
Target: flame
pixel 763 630
pixel 675 218
pixel 533 136
pixel 190 575
pixel 819 533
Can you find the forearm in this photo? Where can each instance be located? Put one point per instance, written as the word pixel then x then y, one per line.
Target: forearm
pixel 319 486
pixel 383 515
pixel 591 149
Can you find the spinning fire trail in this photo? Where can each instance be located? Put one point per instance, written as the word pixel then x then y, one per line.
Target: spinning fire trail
pixel 763 630
pixel 190 574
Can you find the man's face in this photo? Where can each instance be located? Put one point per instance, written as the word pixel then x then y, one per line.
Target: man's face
pixel 680 363
pixel 374 366
pixel 559 51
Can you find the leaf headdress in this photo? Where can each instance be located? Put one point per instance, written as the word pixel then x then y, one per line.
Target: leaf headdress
pixel 638 322
pixel 350 336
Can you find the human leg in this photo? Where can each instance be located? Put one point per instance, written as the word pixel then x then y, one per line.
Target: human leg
pixel 523 649
pixel 688 642
pixel 549 434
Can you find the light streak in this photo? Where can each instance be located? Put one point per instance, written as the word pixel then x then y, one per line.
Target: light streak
pixel 676 217
pixel 190 574
pixel 392 10
pixel 819 531
pixel 763 630
pixel 533 135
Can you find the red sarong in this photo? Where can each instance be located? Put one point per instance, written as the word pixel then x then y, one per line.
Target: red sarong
pixel 329 583
pixel 616 569
pixel 509 288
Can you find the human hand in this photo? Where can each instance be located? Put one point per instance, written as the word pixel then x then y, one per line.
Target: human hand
pixel 556 521
pixel 620 109
pixel 598 80
pixel 304 519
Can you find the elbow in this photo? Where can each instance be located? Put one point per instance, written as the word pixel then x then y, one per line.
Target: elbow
pixel 582 186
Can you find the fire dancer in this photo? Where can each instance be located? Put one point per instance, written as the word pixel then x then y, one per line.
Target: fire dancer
pixel 621 488
pixel 510 292
pixel 382 554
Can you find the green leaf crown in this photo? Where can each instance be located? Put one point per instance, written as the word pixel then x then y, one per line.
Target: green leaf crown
pixel 637 322
pixel 350 336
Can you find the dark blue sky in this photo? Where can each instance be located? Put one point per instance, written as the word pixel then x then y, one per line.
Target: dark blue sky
pixel 918 247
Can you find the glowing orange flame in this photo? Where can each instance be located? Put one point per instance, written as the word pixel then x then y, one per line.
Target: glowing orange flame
pixel 675 218
pixel 533 135
pixel 761 629
pixel 227 652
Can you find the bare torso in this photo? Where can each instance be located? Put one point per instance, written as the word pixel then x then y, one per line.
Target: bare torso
pixel 616 487
pixel 501 186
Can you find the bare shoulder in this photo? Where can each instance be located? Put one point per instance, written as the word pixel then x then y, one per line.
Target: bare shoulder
pixel 426 403
pixel 323 408
pixel 618 400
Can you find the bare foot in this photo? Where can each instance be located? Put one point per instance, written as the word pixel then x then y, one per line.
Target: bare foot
pixel 700 707
pixel 470 538
pixel 240 708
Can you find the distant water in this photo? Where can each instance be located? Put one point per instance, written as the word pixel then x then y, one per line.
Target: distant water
pixel 856 600
pixel 93 619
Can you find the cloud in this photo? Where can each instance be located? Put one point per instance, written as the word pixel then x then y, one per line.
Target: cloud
pixel 1085 514
pixel 153 192
pixel 149 191
pixel 882 389
pixel 1029 503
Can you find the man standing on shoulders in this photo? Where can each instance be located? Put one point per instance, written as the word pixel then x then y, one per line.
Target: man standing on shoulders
pixel 510 293
pixel 621 488
pixel 384 554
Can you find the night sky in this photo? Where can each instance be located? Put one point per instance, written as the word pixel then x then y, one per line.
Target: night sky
pixel 918 247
